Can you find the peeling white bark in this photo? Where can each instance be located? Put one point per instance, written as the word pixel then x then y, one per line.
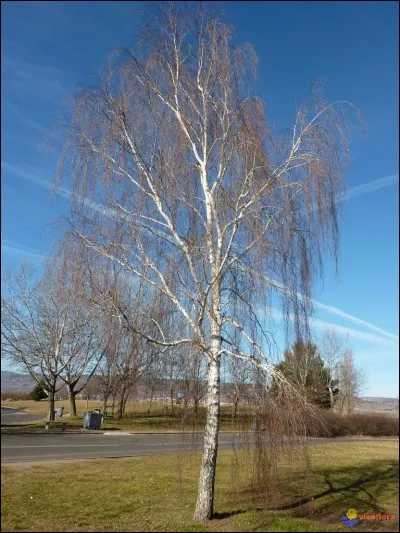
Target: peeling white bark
pixel 205 497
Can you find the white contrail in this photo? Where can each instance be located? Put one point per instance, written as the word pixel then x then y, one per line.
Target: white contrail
pixel 368 187
pixel 369 337
pixel 351 193
pixel 335 311
pixel 29 176
pixel 61 191
pixel 356 320
pixel 276 314
pixel 14 248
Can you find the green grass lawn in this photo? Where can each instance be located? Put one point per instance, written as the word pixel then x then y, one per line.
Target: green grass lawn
pixel 159 493
pixel 137 418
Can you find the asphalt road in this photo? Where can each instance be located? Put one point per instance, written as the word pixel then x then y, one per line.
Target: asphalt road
pixel 56 446
pixel 16 416
pixel 39 447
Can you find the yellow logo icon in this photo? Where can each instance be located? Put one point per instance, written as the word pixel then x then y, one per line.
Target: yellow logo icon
pixel 351 514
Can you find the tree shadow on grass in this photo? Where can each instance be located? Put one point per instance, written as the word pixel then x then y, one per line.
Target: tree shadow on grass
pixel 340 488
pixel 228 514
pixel 359 485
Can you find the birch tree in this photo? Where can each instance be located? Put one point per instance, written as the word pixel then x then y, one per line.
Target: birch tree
pixel 178 179
pixel 351 382
pixel 332 352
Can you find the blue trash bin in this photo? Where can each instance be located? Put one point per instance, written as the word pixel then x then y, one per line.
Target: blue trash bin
pixel 92 420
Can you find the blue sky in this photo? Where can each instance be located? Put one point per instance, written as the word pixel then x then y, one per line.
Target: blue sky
pixel 49 48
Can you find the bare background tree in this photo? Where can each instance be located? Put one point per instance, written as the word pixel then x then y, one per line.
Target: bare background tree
pixel 108 379
pixel 346 381
pixel 193 380
pixel 33 328
pixel 84 346
pixel 49 326
pixel 155 379
pixel 47 329
pixel 351 382
pixel 332 351
pixel 240 373
pixel 178 179
pixel 81 367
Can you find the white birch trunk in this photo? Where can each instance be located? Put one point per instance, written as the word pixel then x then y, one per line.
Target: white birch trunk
pixel 205 497
pixel 331 395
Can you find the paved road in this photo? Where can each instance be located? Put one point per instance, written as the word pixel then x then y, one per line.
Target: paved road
pixel 16 416
pixel 54 446
pixel 67 446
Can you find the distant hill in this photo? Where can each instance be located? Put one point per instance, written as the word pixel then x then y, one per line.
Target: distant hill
pixel 13 382
pixel 377 405
pixel 377 399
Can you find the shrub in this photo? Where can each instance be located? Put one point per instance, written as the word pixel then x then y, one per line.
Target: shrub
pixel 38 393
pixel 332 424
pixel 14 396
